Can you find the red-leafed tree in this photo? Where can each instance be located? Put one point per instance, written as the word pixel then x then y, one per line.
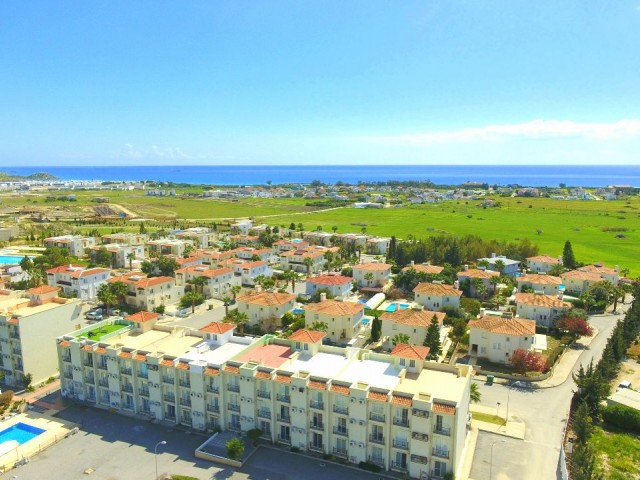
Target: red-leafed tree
pixel 524 361
pixel 577 326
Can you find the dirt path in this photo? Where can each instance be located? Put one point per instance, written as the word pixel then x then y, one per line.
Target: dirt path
pixel 124 210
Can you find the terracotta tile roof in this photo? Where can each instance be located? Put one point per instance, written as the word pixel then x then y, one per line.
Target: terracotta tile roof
pixel 87 348
pixel 101 350
pixel 212 372
pixel 424 268
pixel 263 375
pixel 582 275
pixel 443 408
pixel 142 317
pixel 182 366
pixel 140 357
pixel 64 268
pixel 544 259
pixel 88 271
pixel 372 267
pixel 416 318
pixel 317 385
pixel 330 280
pixel 436 289
pixel 282 378
pixel 540 279
pixel 506 326
pixel 307 336
pixel 125 355
pixel 13 320
pixel 332 307
pixel 218 327
pixel 417 352
pixel 477 273
pixel 202 271
pixel 402 400
pixel 541 300
pixel 42 289
pixel 379 396
pixel 165 362
pixel 65 344
pixel 152 282
pixel 598 268
pixel 341 389
pixel 267 299
pixel 232 369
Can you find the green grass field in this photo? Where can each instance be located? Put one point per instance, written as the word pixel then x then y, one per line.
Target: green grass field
pixel 618 454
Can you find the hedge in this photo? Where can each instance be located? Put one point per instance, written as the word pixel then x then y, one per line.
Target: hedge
pixel 622 417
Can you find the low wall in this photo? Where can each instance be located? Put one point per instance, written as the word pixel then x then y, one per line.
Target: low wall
pixel 217 459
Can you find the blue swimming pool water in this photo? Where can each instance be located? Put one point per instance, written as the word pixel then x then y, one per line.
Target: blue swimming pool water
pixel 362 301
pixel 21 432
pixel 298 311
pixel 10 259
pixel 365 321
pixel 392 307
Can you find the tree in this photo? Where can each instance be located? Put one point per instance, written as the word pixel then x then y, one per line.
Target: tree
pixel 432 340
pixel 120 290
pixel 583 463
pixel 308 262
pixel 376 327
pixel 143 229
pixel 592 388
pixel 102 257
pixel 499 265
pixel 199 282
pixel 235 290
pixel 527 361
pixel 319 326
pixel 458 329
pixel 240 319
pixel 368 277
pixel 290 275
pixel 576 326
pixel 581 425
pixel 334 228
pixel 131 256
pixel 400 338
pixel 191 299
pixel 235 448
pixel 226 301
pixel 474 393
pixel 27 378
pixel 568 259
pixel 105 295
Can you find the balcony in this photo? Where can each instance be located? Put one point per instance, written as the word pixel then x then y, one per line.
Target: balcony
pixel 169 398
pixel 284 439
pixel 318 405
pixel 282 397
pixel 401 422
pixel 379 438
pixel 102 366
pixel 87 362
pixel 127 387
pixel 14 335
pixel 399 466
pixel 212 426
pixel 66 358
pixel 143 374
pixel 419 459
pixel 103 382
pixel 169 380
pixel 234 407
pixel 316 447
pixel 185 382
pixel 377 417
pixel 440 453
pixel 376 461
pixel 264 414
pixel 90 380
pixel 264 394
pixel 67 375
pixel 234 426
pixel 185 401
pixel 213 389
pixel 341 410
pixel 144 392
pixel 284 418
pixel 420 436
pixel 440 430
pixel 233 387
pixel 316 425
pixel 341 452
pixel 213 408
pixel 340 431
pixel 400 443
pixel 420 413
pixel 126 371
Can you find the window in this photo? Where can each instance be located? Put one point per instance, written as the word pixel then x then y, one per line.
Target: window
pixel 412 364
pixel 402 362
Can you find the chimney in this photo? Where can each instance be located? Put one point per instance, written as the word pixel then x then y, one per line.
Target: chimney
pixel 323 297
pixel 413 263
pixel 493 255
pixel 258 288
pixel 466 267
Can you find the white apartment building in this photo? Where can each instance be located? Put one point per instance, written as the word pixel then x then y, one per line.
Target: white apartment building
pixel 396 411
pixel 219 283
pixel 435 296
pixel 496 338
pixel 77 245
pixel 200 236
pixel 168 246
pixel 544 309
pixel 343 319
pixel 297 260
pixel 76 279
pixel 247 270
pixel 29 324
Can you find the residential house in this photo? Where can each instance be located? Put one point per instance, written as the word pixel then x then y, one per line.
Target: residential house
pixel 546 284
pixel 611 275
pixel 544 309
pixel 168 246
pixel 411 322
pixel 543 263
pixel 200 236
pixel 436 296
pixel 219 282
pixel 497 337
pixel 76 245
pixel 297 260
pixel 483 276
pixel 129 239
pixel 343 319
pixel 577 282
pixel 425 268
pixel 377 246
pixel 149 292
pixel 289 245
pixel 266 308
pixel 501 264
pixel 122 255
pixel 337 285
pixel 371 275
pixel 264 254
pixel 247 270
pixel 78 280
pixel 244 240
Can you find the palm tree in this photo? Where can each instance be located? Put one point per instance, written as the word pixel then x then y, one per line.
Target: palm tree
pixel 199 282
pixel 235 290
pixel 495 281
pixel 400 338
pixel 475 283
pixel 227 302
pixel 131 256
pixel 106 295
pixel 499 265
pixel 240 318
pixel 308 263
pixel 292 276
pixel 319 326
pixel 191 299
pixel 120 290
pixel 474 394
pixel 587 299
pixel 368 277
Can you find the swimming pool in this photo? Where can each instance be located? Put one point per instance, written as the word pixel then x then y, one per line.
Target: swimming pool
pixel 20 432
pixel 10 259
pixel 392 307
pixel 298 311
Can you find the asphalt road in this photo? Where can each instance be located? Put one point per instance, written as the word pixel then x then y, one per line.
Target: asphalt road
pixel 544 412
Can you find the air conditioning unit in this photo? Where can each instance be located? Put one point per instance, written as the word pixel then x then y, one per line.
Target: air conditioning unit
pixel 352 443
pixel 353 400
pixel 361 445
pixel 361 422
pixel 361 401
pixel 301 390
pixel 352 421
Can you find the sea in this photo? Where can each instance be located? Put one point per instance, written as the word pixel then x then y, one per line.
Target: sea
pixel 524 175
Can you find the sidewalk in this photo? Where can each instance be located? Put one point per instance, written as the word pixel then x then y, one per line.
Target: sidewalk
pixel 514 428
pixel 33 398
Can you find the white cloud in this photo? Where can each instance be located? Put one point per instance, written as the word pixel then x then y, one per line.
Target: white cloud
pixel 535 129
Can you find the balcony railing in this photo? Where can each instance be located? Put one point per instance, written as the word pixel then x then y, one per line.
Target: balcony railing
pixel 440 453
pixel 90 380
pixel 316 425
pixel 264 394
pixel 420 436
pixel 400 443
pixel 399 466
pixel 102 366
pixel 185 382
pixel 340 430
pixel 264 414
pixel 442 430
pixel 67 375
pixel 234 426
pixel 125 371
pixel 377 417
pixel 169 398
pixel 420 413
pixel 127 387
pixel 233 387
pixel 401 422
pixel 376 438
pixel 169 380
pixel 318 405
pixel 341 410
pixel 282 397
pixel 341 452
pixel 103 382
pixel 419 459
pixel 185 401
pixel 284 439
pixel 284 418
pixel 66 358
pixel 144 392
pixel 213 408
pixel 143 374
pixel 317 447
pixel 87 363
pixel 213 389
pixel 376 461
pixel 234 407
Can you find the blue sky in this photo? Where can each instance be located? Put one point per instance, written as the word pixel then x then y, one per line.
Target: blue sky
pixel 319 82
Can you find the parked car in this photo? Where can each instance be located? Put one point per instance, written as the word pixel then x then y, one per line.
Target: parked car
pixel 93 316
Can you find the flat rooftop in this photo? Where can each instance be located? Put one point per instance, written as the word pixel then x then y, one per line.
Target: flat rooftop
pixel 442 385
pixel 374 372
pixel 322 364
pixel 9 306
pixel 268 355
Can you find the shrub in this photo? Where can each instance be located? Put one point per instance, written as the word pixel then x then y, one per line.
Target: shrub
pixel 471 306
pixel 235 448
pixel 524 362
pixel 370 467
pixel 5 398
pixel 624 418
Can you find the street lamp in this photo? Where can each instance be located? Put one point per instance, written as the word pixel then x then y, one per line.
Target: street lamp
pixel 491 459
pixel 498 409
pixel 163 442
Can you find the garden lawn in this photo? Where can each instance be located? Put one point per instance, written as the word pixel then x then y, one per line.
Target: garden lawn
pixel 618 454
pixel 485 417
pixel 100 332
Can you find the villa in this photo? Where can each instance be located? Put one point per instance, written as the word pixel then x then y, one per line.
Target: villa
pixel 343 319
pixel 76 245
pixel 148 292
pixel 219 281
pixel 496 338
pixel 545 284
pixel 372 275
pixel 335 285
pixel 543 263
pixel 266 308
pixel 78 280
pixel 411 322
pixel 544 309
pixel 435 296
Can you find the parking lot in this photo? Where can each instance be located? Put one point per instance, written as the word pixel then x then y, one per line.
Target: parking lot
pixel 113 447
